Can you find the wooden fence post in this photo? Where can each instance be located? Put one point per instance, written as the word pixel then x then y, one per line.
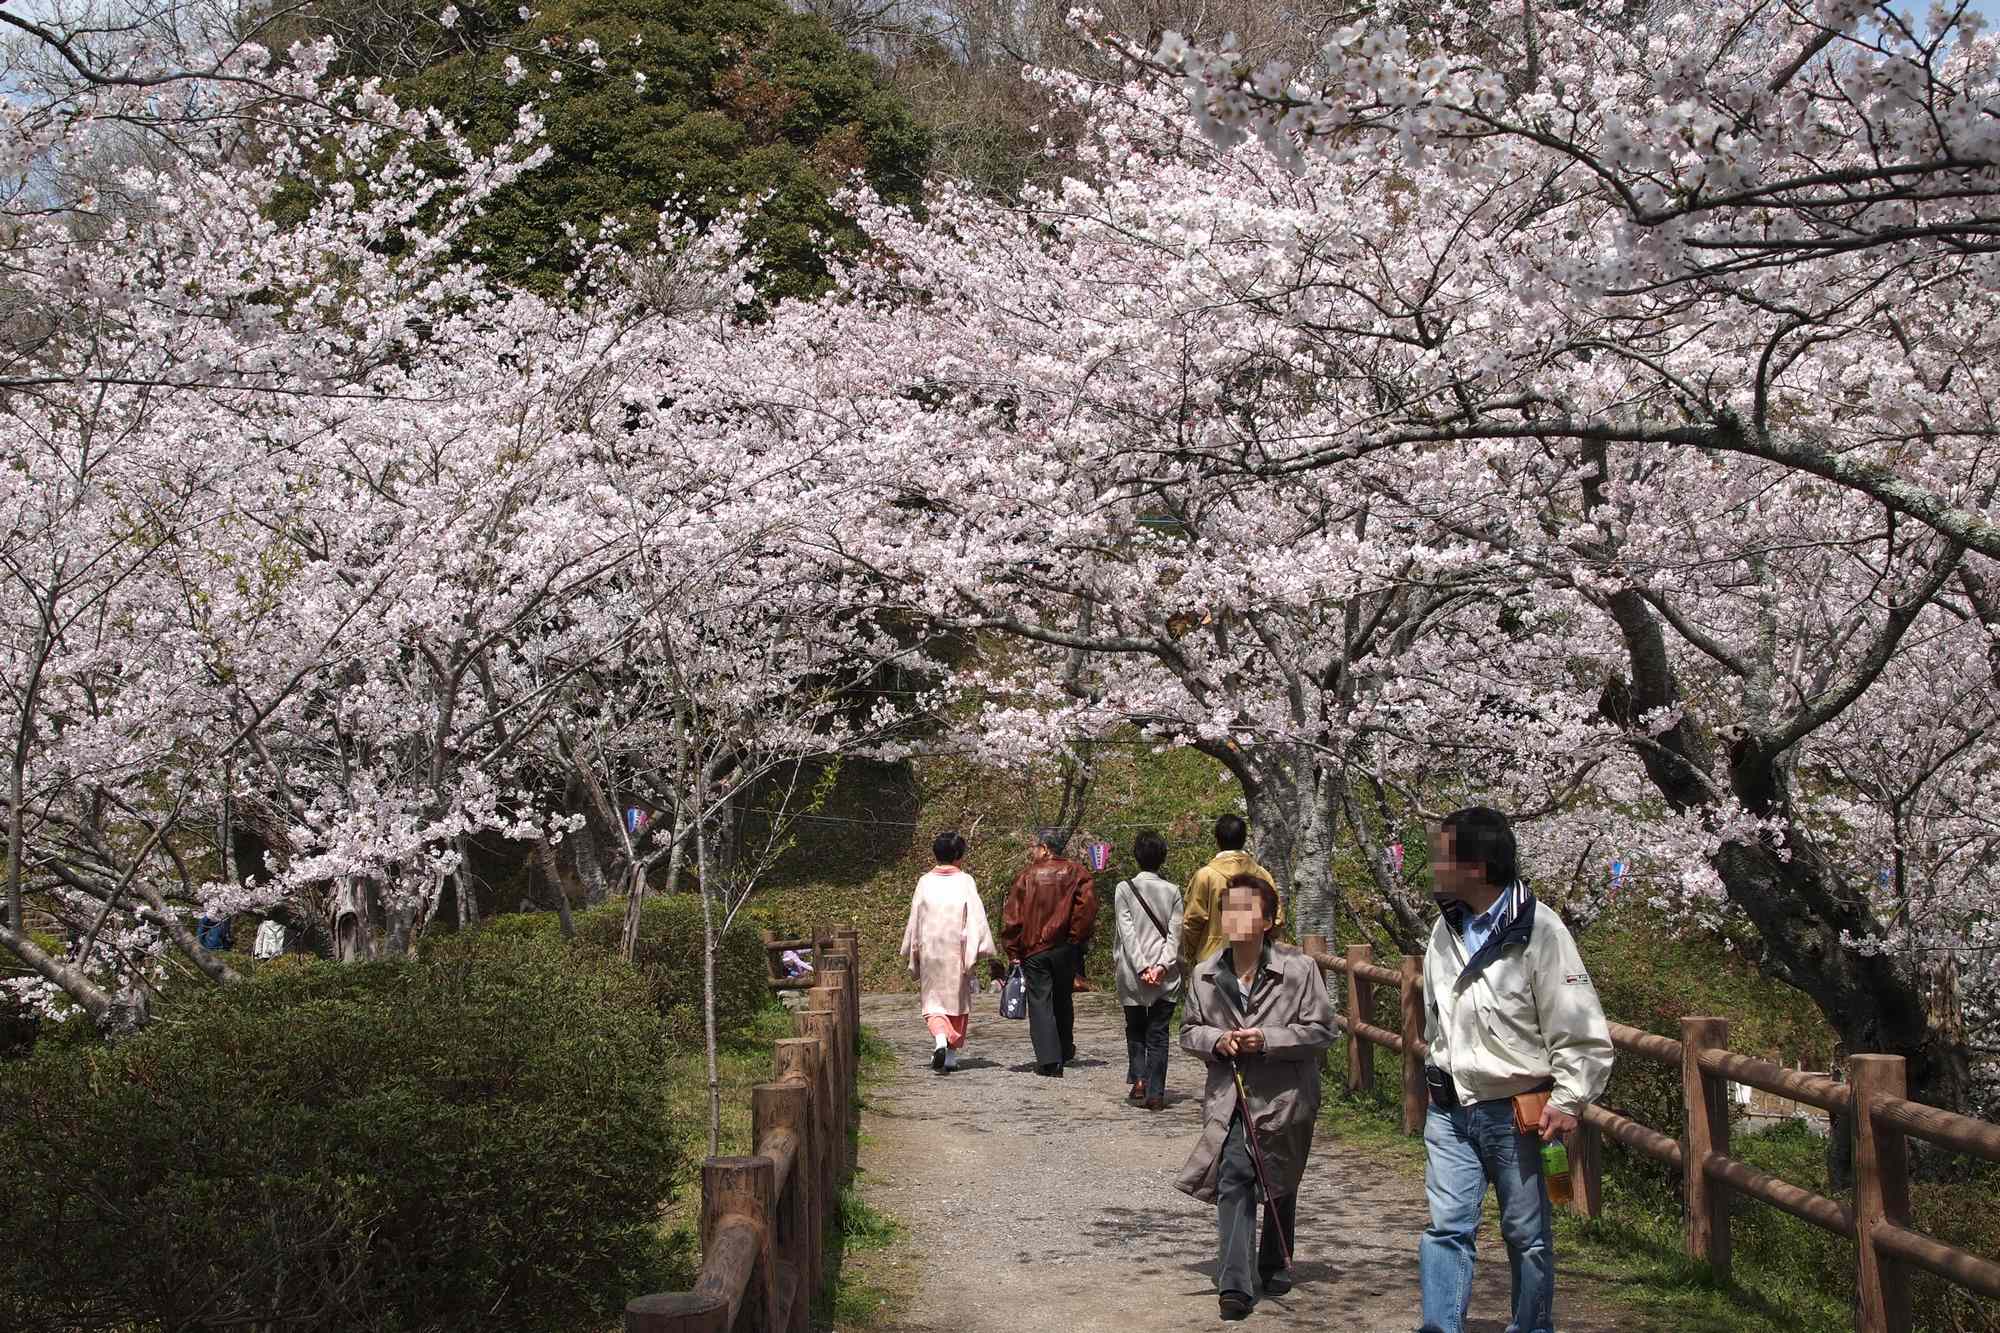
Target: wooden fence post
pixel 1705 1100
pixel 821 1026
pixel 850 940
pixel 1416 1097
pixel 1586 1171
pixel 781 1109
pixel 796 1059
pixel 742 1187
pixel 837 976
pixel 1313 945
pixel 1360 1009
pixel 1881 1194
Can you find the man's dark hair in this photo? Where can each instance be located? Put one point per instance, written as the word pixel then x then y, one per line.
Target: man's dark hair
pixel 1055 839
pixel 1149 849
pixel 1481 833
pixel 948 848
pixel 1231 832
pixel 1265 892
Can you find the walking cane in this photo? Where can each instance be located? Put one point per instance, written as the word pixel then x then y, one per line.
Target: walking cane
pixel 1257 1160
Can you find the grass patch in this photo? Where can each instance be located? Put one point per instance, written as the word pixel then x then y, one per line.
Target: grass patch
pixel 743 1060
pixel 862 1227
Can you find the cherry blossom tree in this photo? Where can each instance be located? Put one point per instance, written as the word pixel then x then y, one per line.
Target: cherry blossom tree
pixel 1268 441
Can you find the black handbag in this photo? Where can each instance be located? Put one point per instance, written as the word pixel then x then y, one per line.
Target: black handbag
pixel 1014 994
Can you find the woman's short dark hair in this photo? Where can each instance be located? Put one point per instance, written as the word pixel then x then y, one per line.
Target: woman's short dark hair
pixel 1482 834
pixel 1267 894
pixel 1231 832
pixel 948 847
pixel 1149 849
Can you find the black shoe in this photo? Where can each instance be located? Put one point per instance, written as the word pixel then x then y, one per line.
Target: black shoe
pixel 1049 1071
pixel 1274 1284
pixel 1069 1056
pixel 1233 1306
pixel 937 1059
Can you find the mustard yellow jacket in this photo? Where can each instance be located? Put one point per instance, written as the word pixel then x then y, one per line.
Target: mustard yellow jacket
pixel 1201 921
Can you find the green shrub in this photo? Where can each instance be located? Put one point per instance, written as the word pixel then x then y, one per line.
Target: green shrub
pixel 464 1143
pixel 669 957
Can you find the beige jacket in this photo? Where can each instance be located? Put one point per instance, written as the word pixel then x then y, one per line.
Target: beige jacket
pixel 1520 1013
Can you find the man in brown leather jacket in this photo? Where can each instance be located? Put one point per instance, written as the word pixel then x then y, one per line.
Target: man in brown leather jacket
pixel 1049 913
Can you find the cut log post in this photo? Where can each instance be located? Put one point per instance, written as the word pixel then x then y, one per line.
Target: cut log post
pixel 1360 1009
pixel 780 1112
pixel 1705 1101
pixel 1586 1171
pixel 822 1027
pixel 1416 1097
pixel 1881 1195
pixel 736 1236
pixel 796 1060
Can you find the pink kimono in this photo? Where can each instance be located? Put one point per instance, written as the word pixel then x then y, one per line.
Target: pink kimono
pixel 944 941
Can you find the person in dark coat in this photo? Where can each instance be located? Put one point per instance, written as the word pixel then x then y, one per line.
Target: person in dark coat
pixel 1258 1008
pixel 1049 912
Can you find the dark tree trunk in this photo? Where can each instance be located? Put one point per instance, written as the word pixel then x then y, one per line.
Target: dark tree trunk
pixel 1800 909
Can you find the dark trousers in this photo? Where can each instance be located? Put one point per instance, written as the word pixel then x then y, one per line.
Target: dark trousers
pixel 1146 1044
pixel 1242 1259
pixel 1051 1007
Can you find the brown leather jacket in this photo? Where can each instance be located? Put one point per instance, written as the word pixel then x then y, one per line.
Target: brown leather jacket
pixel 1052 901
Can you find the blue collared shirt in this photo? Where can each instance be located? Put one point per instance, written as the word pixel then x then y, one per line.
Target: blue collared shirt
pixel 1479 929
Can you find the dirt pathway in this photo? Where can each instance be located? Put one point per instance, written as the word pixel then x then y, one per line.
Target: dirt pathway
pixel 1034 1203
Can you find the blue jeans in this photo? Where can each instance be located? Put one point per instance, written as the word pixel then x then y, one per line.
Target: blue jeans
pixel 1467 1149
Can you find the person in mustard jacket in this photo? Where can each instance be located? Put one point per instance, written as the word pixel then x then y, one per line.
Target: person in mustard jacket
pixel 1201 917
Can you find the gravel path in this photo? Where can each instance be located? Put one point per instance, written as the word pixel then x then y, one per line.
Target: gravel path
pixel 1030 1203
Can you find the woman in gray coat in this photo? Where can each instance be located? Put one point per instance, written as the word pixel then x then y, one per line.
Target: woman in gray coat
pixel 1258 1008
pixel 1149 968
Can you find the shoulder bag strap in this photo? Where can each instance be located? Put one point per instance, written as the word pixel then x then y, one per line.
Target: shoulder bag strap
pixel 1151 915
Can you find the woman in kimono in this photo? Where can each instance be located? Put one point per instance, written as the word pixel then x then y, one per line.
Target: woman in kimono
pixel 946 937
pixel 1259 1009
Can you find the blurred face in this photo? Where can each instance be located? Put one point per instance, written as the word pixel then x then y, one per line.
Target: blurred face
pixel 1243 915
pixel 1454 879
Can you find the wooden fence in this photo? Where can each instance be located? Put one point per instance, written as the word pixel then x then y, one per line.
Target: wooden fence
pixel 765 1218
pixel 1883 1120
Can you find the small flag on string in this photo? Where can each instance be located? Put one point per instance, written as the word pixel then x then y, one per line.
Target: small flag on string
pixel 1098 854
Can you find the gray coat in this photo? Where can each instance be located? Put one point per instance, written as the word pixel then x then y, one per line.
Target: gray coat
pixel 1289 1004
pixel 1140 943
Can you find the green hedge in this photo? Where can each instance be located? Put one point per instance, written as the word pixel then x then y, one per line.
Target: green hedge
pixel 669 957
pixel 471 1142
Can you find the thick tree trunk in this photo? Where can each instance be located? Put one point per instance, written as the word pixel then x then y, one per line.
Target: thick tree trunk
pixel 1805 915
pixel 1802 912
pixel 1312 859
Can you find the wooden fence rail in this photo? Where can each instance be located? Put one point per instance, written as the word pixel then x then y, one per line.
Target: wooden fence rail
pixel 1883 1120
pixel 764 1218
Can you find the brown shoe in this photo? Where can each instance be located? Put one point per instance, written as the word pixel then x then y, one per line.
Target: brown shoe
pixel 1138 1093
pixel 1156 1103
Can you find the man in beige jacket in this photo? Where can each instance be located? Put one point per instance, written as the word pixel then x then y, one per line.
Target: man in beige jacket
pixel 1201 919
pixel 1509 1010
